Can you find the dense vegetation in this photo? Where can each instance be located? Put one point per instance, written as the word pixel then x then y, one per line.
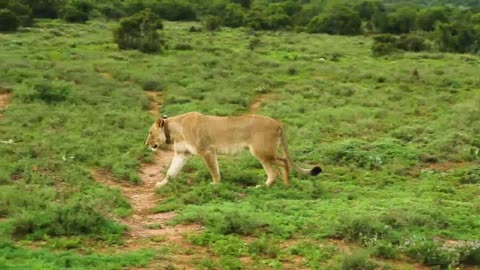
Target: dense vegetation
pixel 397 137
pixel 452 28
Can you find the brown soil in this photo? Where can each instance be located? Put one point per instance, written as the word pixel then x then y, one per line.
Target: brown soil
pixel 258 101
pixel 147 229
pixel 445 166
pixel 155 102
pixel 5 97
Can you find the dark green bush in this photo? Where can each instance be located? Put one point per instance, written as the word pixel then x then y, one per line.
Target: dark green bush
pixel 152 85
pixel 429 17
pixel 77 11
pixel 44 90
pixel 339 21
pixel 22 12
pixel 175 10
pixel 385 250
pixel 233 16
pixel 183 47
pixel 70 13
pixel 469 176
pixel 212 23
pixel 46 8
pixel 459 36
pixel 401 21
pixel 139 31
pixel 471 256
pixel 8 20
pixel 111 11
pixel 413 43
pixel 386 44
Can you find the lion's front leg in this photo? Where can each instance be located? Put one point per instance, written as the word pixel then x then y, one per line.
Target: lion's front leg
pixel 176 166
pixel 210 159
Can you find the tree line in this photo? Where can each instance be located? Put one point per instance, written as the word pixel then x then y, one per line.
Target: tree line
pixel 451 28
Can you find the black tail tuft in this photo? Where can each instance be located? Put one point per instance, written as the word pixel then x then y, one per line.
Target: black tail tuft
pixel 315 171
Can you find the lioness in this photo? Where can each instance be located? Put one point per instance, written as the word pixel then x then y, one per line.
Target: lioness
pixel 205 135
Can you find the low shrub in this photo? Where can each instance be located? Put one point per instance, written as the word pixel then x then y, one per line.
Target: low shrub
pixel 313 253
pixel 213 23
pixel 385 250
pixel 139 32
pixel 360 229
pixel 386 44
pixel 44 90
pixel 358 261
pixel 430 253
pixel 265 246
pixel 183 47
pixel 8 21
pixel 152 85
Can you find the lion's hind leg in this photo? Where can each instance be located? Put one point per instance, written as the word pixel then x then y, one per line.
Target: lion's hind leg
pixel 268 163
pixel 285 169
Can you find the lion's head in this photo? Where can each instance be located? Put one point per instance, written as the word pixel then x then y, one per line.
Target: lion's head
pixel 156 135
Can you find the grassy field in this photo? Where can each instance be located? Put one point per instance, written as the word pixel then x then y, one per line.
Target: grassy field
pixel 397 138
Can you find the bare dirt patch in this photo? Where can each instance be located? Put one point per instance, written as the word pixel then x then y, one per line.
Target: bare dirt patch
pixel 258 101
pixel 155 102
pixel 5 97
pixel 143 223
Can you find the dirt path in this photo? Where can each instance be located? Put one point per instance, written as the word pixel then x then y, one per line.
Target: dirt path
pixel 156 101
pixel 147 229
pixel 258 101
pixel 5 97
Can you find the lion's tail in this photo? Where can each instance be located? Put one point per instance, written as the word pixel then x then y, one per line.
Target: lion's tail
pixel 313 171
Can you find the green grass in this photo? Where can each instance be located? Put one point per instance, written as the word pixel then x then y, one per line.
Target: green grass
pixel 375 127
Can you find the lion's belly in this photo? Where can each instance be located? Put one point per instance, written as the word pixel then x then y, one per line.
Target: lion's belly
pixel 231 148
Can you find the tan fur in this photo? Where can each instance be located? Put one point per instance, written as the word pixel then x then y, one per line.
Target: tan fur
pixel 205 135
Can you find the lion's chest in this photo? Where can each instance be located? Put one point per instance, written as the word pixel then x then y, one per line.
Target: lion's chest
pixel 185 147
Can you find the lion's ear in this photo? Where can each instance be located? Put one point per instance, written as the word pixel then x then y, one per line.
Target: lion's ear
pixel 160 122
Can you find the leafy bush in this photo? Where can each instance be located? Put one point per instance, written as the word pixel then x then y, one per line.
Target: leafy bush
pixel 385 250
pixel 411 42
pixel 401 21
pixel 77 11
pixel 458 37
pixel 430 253
pixel 358 261
pixel 8 20
pixel 139 31
pixel 46 8
pixel 226 220
pixel 22 12
pixel 387 44
pixel 313 253
pixel 264 246
pixel 175 10
pixel 152 85
pixel 429 17
pixel 469 176
pixel 44 90
pixel 234 15
pixel 183 47
pixel 360 229
pixel 339 21
pixel 212 23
